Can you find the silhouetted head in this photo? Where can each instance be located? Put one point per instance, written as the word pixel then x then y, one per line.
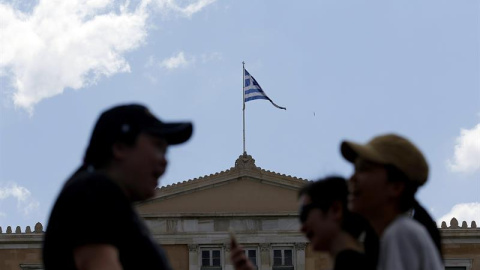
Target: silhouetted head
pixel 124 123
pixel 389 168
pixel 129 144
pixel 324 213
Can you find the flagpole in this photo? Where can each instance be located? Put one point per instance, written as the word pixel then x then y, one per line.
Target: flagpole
pixel 243 91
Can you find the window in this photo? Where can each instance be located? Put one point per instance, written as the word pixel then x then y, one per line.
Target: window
pixel 458 264
pixel 282 258
pixel 211 259
pixel 252 256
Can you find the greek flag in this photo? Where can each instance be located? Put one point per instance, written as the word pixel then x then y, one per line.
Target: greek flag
pixel 253 90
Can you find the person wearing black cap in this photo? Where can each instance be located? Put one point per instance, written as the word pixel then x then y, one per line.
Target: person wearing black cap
pixel 388 171
pixel 93 224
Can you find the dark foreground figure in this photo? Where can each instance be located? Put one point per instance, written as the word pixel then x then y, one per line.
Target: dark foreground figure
pixel 389 169
pixel 93 224
pixel 328 225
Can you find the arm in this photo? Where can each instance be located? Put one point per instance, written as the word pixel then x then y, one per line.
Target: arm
pixel 96 257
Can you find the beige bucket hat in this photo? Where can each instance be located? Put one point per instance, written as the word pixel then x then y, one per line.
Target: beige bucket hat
pixel 393 150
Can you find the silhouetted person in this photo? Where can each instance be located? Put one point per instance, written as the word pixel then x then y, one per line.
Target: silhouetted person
pixel 93 224
pixel 388 171
pixel 328 225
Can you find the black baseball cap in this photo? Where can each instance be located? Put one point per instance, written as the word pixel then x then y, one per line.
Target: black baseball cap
pixel 125 123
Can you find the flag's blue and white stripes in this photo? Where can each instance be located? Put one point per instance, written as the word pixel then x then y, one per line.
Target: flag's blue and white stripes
pixel 253 90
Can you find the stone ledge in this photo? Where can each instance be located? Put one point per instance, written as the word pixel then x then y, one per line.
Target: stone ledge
pixel 454 225
pixel 38 230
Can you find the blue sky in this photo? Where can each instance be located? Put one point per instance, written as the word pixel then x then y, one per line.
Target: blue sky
pixel 343 69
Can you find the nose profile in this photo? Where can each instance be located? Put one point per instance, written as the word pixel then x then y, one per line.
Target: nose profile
pixel 161 161
pixel 352 180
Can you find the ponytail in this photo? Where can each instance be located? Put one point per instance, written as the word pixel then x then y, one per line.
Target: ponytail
pixel 421 215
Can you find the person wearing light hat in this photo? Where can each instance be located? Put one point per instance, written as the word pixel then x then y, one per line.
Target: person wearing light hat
pixel 93 224
pixel 388 171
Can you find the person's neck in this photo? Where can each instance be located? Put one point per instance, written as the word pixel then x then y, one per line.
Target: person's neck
pixel 344 241
pixel 381 221
pixel 116 176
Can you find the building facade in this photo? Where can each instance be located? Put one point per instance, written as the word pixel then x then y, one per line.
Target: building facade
pixel 192 221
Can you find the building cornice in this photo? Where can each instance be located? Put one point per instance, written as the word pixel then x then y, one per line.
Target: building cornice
pixel 221 215
pixel 244 168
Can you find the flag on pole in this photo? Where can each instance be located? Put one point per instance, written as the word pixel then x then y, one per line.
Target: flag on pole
pixel 253 90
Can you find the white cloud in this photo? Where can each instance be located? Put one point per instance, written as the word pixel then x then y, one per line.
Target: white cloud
pixel 65 44
pixel 176 61
pixel 185 8
pixel 463 212
pixel 215 56
pixel 71 44
pixel 25 202
pixel 180 60
pixel 467 151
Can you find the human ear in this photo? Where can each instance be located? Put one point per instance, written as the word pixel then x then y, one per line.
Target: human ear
pixel 119 150
pixel 397 188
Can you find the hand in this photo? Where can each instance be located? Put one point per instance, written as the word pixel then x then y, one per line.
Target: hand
pixel 238 257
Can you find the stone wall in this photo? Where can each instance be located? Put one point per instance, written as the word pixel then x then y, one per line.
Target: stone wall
pixel 178 256
pixel 21 249
pixel 461 244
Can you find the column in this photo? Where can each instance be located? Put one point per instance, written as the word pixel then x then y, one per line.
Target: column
pixel 228 263
pixel 265 257
pixel 193 257
pixel 300 250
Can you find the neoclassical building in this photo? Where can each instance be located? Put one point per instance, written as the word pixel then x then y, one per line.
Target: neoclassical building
pixel 192 220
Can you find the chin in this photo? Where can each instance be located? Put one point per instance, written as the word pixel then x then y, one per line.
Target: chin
pixel 149 195
pixel 354 207
pixel 319 247
pixel 146 195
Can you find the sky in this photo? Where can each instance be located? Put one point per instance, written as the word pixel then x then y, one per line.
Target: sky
pixel 345 70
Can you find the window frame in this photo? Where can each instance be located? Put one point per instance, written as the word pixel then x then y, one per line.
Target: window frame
pixel 210 249
pixel 283 266
pixel 467 263
pixel 257 254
